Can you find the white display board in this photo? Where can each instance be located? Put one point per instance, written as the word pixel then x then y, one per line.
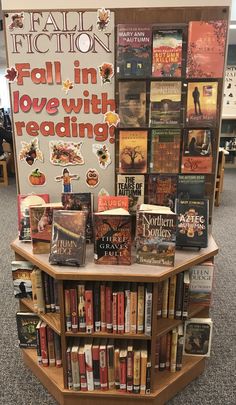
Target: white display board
pixel 229 99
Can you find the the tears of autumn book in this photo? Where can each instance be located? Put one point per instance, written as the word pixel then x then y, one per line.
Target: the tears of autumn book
pixel 133 152
pixel 131 186
pixel 112 237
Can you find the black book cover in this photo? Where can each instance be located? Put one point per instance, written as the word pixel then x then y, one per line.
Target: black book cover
pixel 179 296
pixel 46 292
pixel 26 326
pixel 96 304
pixel 52 297
pixel 191 186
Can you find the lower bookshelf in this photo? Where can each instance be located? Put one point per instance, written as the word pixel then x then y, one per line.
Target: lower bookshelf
pixel 168 384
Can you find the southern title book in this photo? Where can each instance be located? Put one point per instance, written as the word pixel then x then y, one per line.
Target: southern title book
pixel 192 222
pixel 197 337
pixel 26 327
pixel 162 189
pixel 191 186
pixel 41 226
pixel 206 48
pixel 109 202
pixel 165 150
pixel 133 151
pixel 133 187
pixel 24 201
pixel 68 238
pixel 202 104
pixel 80 202
pixel 165 104
pixel 132 104
pixel 112 237
pixel 134 42
pixel 155 235
pixel 197 151
pixel 21 275
pixel 201 282
pixel 167 53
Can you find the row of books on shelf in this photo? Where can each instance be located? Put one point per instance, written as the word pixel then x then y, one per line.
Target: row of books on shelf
pixel 145 50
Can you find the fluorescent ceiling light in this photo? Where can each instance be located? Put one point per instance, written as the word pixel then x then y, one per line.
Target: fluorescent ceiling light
pixel 232 26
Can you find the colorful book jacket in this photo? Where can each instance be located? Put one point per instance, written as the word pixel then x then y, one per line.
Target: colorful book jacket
pixel 68 238
pixel 192 222
pixel 201 282
pixel 206 49
pixel 167 53
pixel 41 226
pixel 197 337
pixel 165 104
pixel 162 190
pixel 112 238
pixel 165 150
pixel 24 201
pixel 202 104
pixel 132 104
pixel 155 242
pixel 26 327
pixel 109 202
pixel 133 188
pixel 80 202
pixel 197 151
pixel 133 152
pixel 133 50
pixel 191 186
pixel 21 275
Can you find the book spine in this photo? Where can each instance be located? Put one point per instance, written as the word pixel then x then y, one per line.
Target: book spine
pixel 148 310
pixel 133 308
pixel 163 346
pixel 39 354
pixel 89 310
pixel 57 343
pixel 157 354
pixel 168 350
pixel 123 370
pixel 56 296
pixel 39 291
pixel 143 371
pixel 46 292
pixel 186 294
pixel 73 309
pixel 108 293
pixel 179 296
pixel 34 293
pixel 103 367
pixel 75 368
pixel 137 358
pixel 130 371
pixel 52 297
pixel 43 344
pixel 120 311
pixel 174 338
pixel 89 366
pixel 69 371
pixel 127 308
pixel 148 377
pixel 82 370
pixel 67 310
pixel 96 367
pixel 81 307
pixel 159 299
pixel 140 312
pixel 172 291
pixel 97 320
pixel 103 307
pixel 164 309
pixel 117 367
pixel 115 311
pixel 51 348
pixel 180 344
pixel 111 368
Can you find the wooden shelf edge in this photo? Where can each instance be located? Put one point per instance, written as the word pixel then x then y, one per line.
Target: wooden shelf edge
pixel 108 335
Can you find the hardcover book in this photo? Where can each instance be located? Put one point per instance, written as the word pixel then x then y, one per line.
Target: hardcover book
pixel 162 190
pixel 112 237
pixel 206 48
pixel 109 202
pixel 26 327
pixel 68 238
pixel 133 50
pixel 132 104
pixel 21 275
pixel 192 222
pixel 131 186
pixel 197 337
pixel 165 104
pixel 133 152
pixel 191 186
pixel 167 53
pixel 165 150
pixel 41 226
pixel 156 234
pixel 202 104
pixel 24 201
pixel 201 281
pixel 80 202
pixel 197 151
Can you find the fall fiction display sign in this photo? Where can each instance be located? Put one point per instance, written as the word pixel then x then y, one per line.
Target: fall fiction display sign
pixel 60 72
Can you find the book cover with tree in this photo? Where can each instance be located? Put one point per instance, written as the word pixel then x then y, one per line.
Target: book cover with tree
pixel 165 150
pixel 167 53
pixel 133 151
pixel 202 104
pixel 197 151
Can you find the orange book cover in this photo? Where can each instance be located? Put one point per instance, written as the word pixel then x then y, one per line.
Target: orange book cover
pixel 197 151
pixel 202 104
pixel 133 151
pixel 206 49
pixel 109 202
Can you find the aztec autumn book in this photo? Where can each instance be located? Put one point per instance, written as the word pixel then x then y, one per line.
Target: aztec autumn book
pixel 202 104
pixel 110 202
pixel 26 327
pixel 162 190
pixel 197 151
pixel 192 222
pixel 133 152
pixel 206 49
pixel 80 202
pixel 191 186
pixel 165 150
pixel 68 243
pixel 132 104
pixel 134 42
pixel 165 104
pixel 131 186
pixel 167 53
pixel 201 282
pixel 21 276
pixel 24 201
pixel 41 226
pixel 197 337
pixel 112 243
pixel 155 235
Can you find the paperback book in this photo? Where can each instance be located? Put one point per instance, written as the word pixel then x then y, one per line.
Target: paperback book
pixel 109 202
pixel 201 282
pixel 112 237
pixel 162 190
pixel 155 235
pixel 191 186
pixel 202 104
pixel 26 327
pixel 197 151
pixel 197 337
pixel 132 104
pixel 21 275
pixel 133 152
pixel 165 150
pixel 165 104
pixel 192 222
pixel 134 43
pixel 131 186
pixel 167 53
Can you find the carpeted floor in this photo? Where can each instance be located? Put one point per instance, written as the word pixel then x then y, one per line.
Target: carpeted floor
pixel 217 386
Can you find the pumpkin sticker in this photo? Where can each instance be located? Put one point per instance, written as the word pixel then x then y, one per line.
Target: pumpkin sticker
pixel 37 178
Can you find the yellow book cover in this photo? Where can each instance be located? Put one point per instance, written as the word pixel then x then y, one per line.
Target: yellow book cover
pixel 143 373
pixel 173 353
pixel 140 316
pixel 137 369
pixel 171 304
pixel 133 151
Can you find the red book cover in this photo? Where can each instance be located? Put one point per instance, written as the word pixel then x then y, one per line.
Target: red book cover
pixel 43 344
pixel 197 151
pixel 109 202
pixel 24 201
pixel 96 365
pixel 108 306
pixel 121 310
pixel 51 348
pixel 67 310
pixel 206 49
pixel 82 370
pixel 73 308
pixel 130 368
pixel 114 311
pixel 89 309
pixel 103 307
pixel 103 367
